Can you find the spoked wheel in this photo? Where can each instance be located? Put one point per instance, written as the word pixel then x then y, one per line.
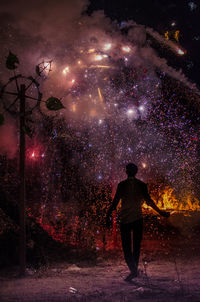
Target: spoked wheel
pixel 10 94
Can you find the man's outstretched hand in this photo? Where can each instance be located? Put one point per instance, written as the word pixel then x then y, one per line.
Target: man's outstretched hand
pixel 164 213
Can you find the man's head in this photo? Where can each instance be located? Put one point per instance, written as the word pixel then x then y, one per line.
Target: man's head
pixel 131 169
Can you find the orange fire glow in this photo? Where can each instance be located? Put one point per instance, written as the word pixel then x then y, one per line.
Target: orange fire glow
pixel 168 201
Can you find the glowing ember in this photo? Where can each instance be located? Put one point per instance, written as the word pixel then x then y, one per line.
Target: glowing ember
pixel 107 46
pixel 100 95
pixel 122 92
pixel 91 50
pixel 100 66
pixel 66 70
pixel 180 51
pixel 126 48
pixel 131 112
pixel 141 108
pixel 98 57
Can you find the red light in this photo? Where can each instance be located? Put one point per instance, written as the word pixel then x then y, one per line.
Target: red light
pixel 33 154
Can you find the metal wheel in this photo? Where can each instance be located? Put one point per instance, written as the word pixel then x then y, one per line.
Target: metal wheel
pixel 10 94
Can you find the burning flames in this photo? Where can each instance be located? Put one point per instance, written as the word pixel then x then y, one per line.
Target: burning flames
pixel 168 201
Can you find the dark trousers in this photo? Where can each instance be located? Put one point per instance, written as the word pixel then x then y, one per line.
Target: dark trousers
pixel 131 248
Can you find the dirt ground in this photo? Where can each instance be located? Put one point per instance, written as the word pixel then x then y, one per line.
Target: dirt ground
pixel 169 271
pixel 159 280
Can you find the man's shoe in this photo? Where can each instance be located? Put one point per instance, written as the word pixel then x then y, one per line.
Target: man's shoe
pixel 130 277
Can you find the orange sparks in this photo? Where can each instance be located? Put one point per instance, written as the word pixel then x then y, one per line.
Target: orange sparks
pixel 100 95
pixel 91 50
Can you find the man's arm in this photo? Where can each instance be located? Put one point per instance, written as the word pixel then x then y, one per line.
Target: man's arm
pixel 152 204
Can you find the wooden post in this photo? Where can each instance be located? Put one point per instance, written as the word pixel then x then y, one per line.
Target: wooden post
pixel 22 184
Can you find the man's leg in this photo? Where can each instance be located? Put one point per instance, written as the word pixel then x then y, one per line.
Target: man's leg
pixel 137 238
pixel 126 245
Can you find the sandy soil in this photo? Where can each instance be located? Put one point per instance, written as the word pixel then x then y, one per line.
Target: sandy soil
pixel 161 280
pixel 169 263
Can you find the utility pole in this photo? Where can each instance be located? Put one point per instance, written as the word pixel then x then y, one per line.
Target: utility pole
pixel 22 183
pixel 22 94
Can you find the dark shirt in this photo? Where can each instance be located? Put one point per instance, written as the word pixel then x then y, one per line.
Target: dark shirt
pixel 132 192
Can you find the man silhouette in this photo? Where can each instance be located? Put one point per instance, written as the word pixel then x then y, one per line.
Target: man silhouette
pixel 132 192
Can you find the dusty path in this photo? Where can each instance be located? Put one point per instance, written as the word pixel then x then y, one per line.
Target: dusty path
pixel 163 281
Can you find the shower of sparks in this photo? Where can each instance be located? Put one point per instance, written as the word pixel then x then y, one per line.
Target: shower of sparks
pixel 117 95
pixel 120 107
pixel 122 102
